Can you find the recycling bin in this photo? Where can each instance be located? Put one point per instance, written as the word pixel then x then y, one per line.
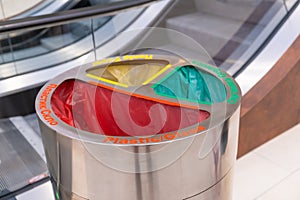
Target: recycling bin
pixel 141 127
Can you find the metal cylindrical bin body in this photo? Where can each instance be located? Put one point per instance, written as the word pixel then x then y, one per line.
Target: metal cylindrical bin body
pixel 193 162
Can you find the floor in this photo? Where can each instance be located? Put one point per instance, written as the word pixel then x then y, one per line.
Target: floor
pixel 272 171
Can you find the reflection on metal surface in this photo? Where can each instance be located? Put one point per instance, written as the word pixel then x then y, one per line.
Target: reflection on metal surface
pixel 221 191
pixel 192 163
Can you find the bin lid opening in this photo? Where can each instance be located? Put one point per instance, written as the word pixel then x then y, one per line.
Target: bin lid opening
pixel 100 110
pixel 191 84
pixel 128 73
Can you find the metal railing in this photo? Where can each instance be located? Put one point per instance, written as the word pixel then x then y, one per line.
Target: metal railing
pixel 48 20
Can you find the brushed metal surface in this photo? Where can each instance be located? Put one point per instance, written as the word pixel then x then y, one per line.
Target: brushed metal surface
pixel 75 170
pixel 83 166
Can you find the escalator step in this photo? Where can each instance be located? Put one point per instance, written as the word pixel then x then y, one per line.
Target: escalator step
pixel 19 162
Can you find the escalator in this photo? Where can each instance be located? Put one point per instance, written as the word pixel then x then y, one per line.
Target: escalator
pixel 72 38
pixel 224 35
pixel 68 42
pixel 20 162
pixel 27 41
pixel 20 139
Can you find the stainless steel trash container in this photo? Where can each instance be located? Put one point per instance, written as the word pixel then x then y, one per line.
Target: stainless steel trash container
pixel 141 127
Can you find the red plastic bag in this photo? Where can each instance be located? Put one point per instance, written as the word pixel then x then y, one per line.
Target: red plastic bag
pixel 103 111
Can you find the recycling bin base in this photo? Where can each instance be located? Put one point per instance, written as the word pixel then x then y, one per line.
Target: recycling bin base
pixel 221 191
pixel 143 127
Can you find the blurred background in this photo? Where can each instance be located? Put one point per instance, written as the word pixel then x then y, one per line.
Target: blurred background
pixel 255 41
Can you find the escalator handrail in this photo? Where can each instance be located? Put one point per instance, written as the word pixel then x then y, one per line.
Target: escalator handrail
pixel 71 15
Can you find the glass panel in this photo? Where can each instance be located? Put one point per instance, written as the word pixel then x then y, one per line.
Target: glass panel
pixel 7 66
pixel 47 47
pixel 108 31
pixel 95 2
pixel 56 45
